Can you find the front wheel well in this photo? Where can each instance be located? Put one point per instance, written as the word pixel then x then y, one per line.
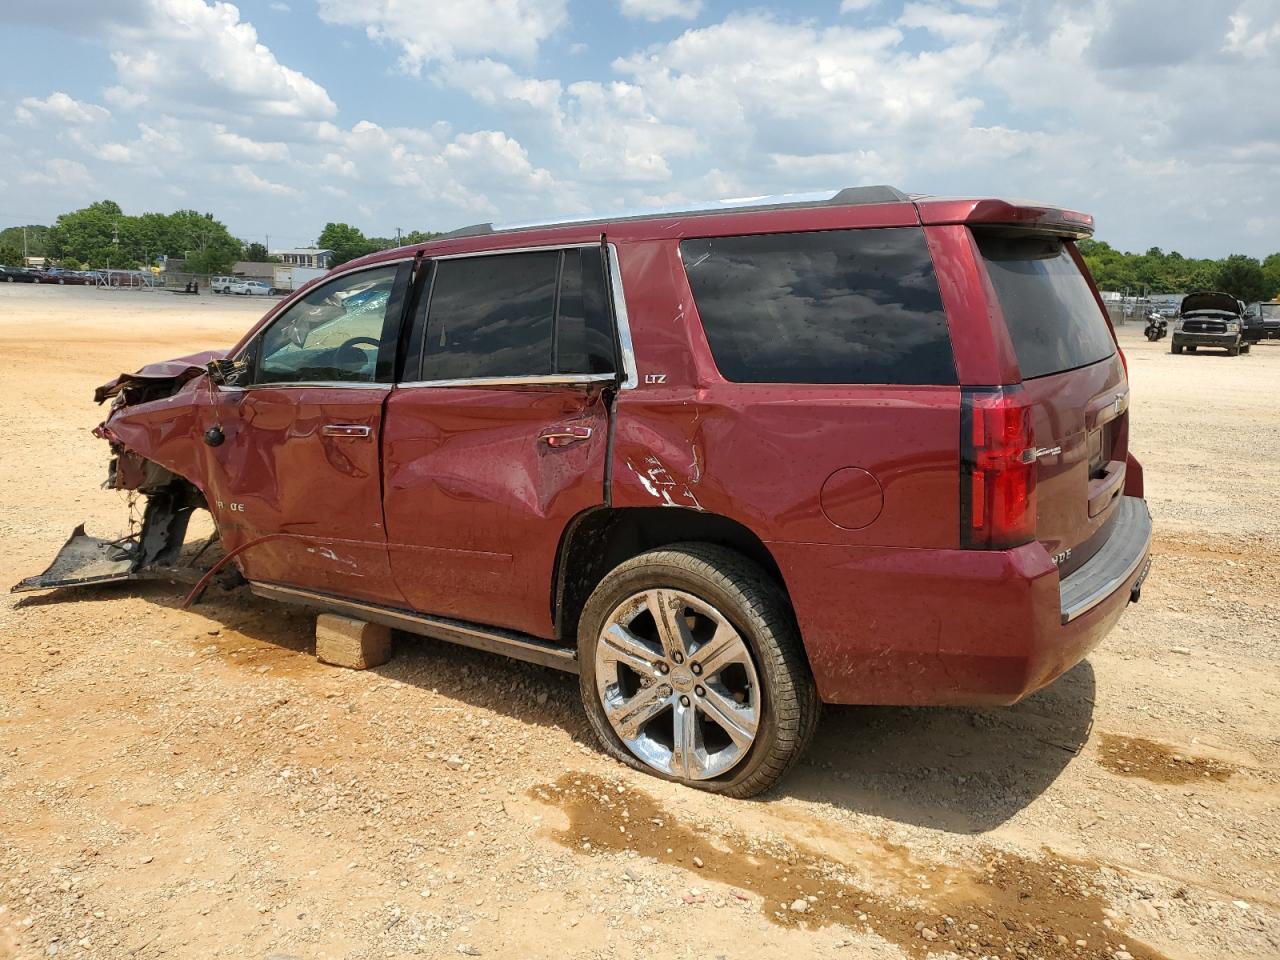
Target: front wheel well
pixel 598 540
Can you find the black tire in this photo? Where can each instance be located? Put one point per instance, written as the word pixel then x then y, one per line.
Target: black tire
pixel 1244 347
pixel 759 610
pixel 1233 351
pixel 1175 348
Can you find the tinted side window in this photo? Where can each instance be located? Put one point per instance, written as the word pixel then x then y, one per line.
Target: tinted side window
pixel 841 306
pixel 334 333
pixel 1054 321
pixel 491 317
pixel 584 330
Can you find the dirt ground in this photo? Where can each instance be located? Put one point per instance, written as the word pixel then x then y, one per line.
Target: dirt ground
pixel 195 784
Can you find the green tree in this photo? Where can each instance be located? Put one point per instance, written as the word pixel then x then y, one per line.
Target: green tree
pixel 346 242
pixel 257 253
pixel 37 239
pixel 1271 273
pixel 1243 278
pixel 10 256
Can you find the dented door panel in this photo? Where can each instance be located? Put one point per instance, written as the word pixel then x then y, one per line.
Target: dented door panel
pixel 284 472
pixel 479 489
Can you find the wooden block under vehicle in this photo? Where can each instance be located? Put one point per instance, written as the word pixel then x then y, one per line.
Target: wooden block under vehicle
pixel 349 643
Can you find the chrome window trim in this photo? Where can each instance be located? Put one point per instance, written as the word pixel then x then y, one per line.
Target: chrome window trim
pixel 551 379
pixel 309 384
pixel 630 376
pixel 542 248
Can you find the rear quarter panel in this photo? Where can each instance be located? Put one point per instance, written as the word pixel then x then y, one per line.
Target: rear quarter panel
pixel 761 453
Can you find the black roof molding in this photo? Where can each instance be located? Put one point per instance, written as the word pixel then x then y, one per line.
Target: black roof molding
pixel 848 197
pixel 474 230
pixel 881 193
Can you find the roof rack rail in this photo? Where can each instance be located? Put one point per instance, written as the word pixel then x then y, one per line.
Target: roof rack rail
pixel 474 230
pixel 880 193
pixel 849 196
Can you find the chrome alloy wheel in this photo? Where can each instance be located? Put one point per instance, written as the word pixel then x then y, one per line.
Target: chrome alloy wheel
pixel 677 684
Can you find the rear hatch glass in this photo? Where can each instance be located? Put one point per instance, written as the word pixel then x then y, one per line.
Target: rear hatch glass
pixel 1076 385
pixel 1052 316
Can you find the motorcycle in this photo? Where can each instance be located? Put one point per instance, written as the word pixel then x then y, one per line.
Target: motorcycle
pixel 1157 327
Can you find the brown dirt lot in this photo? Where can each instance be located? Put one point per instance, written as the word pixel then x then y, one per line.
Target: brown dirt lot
pixel 194 784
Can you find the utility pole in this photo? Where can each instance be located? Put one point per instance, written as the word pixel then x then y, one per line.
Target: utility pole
pixel 397 236
pixel 24 245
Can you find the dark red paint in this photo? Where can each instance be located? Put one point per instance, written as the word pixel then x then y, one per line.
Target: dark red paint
pixel 456 504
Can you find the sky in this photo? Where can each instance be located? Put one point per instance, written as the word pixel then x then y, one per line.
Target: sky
pixel 1159 117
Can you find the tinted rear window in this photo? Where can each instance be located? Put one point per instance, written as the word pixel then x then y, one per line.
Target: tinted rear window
pixel 841 306
pixel 1053 319
pixel 491 317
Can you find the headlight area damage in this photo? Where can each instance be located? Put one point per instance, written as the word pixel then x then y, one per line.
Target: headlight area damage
pixel 143 405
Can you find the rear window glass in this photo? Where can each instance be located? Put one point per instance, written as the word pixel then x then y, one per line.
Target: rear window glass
pixel 491 317
pixel 841 306
pixel 584 329
pixel 1053 319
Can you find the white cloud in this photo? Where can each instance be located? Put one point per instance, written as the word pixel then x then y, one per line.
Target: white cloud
pixel 446 29
pixel 1169 137
pixel 247 177
pixel 203 57
pixel 1255 29
pixel 61 174
pixel 946 23
pixel 279 7
pixel 62 107
pixel 654 10
pixel 241 146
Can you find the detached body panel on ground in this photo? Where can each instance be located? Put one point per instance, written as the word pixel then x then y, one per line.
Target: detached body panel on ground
pixel 878 446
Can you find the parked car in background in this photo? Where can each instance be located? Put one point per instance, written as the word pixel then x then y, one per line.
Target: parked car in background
pixel 1210 320
pixel 16 275
pixel 61 277
pixel 251 288
pixel 725 465
pixel 222 284
pixel 1270 314
pixel 1252 329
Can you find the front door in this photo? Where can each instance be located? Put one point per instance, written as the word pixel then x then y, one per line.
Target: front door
pixel 499 437
pixel 298 467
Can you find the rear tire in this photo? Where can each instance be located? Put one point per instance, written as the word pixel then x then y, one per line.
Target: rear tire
pixel 757 680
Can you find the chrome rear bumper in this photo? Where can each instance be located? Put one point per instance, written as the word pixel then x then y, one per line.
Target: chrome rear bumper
pixel 1126 552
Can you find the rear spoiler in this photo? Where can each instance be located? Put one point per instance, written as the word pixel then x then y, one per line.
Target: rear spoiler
pixel 1012 213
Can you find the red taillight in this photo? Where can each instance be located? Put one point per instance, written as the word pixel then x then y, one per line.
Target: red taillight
pixel 998 464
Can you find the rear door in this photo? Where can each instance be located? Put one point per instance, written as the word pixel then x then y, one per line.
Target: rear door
pixel 498 435
pixel 1073 375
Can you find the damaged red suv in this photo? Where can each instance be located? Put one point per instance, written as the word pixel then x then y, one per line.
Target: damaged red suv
pixel 725 465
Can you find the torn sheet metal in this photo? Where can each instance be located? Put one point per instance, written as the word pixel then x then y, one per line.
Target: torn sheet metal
pixel 84 560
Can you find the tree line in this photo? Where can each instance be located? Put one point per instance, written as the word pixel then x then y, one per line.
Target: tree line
pixel 102 235
pixel 1155 271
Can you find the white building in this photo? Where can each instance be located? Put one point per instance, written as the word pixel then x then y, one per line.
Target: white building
pixel 305 257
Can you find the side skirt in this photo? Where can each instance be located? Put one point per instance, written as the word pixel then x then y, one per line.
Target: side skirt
pixel 519 646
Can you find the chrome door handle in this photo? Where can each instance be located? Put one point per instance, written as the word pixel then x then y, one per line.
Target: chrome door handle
pixel 345 430
pixel 563 436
